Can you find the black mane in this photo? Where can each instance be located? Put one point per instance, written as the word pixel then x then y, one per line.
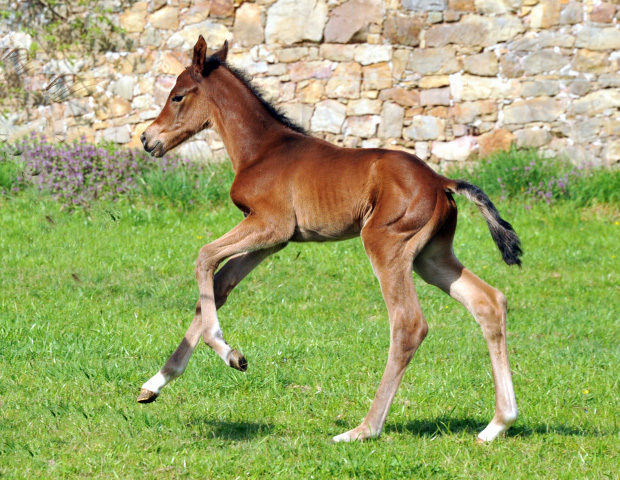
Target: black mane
pixel 213 62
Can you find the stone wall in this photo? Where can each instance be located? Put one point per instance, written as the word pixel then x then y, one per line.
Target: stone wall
pixel 444 79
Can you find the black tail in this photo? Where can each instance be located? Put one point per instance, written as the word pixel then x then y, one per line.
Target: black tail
pixel 502 232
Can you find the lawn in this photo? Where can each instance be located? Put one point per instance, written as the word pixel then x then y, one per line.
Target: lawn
pixel 92 303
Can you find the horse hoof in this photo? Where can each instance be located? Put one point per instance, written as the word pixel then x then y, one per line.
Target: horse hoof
pixel 237 360
pixel 146 396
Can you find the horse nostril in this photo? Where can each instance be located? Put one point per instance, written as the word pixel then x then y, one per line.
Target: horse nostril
pixel 143 139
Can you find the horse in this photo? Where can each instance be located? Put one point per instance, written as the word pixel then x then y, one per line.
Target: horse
pixel 292 187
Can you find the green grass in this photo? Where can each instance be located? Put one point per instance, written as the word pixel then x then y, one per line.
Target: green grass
pixel 92 304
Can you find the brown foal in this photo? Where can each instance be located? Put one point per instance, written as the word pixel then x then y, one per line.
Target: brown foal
pixel 292 187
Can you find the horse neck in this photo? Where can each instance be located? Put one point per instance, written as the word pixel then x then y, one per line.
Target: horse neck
pixel 239 117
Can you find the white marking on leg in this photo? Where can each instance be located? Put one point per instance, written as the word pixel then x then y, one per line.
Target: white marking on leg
pixel 157 382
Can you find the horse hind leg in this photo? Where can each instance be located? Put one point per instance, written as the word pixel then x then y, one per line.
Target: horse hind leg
pixel 437 265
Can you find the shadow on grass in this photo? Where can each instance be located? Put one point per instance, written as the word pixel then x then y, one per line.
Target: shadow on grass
pixel 237 430
pixel 449 425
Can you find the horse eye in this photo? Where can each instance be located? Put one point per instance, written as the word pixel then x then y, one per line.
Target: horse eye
pixel 177 98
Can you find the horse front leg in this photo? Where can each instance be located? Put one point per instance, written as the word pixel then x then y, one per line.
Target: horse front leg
pixel 254 235
pixel 227 278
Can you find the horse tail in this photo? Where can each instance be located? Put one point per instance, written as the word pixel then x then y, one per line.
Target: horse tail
pixel 502 232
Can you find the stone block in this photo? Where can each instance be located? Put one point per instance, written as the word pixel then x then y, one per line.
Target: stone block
pixel 248 30
pixel 425 5
pixel 435 61
pixel 170 65
pixel 435 96
pixel 166 18
pixel 588 61
pixel 424 127
pixel 609 80
pixel 544 61
pixel 133 19
pixel 539 109
pixel 392 118
pixel 337 52
pixel 468 112
pixel 222 8
pixel 198 12
pixel 469 87
pixel 603 13
pixel 305 70
pixel 612 152
pixel 571 13
pixel 123 87
pixel 545 14
pixel 269 87
pixel 475 30
pixel 532 41
pixel 300 113
pixel 161 90
pixel 151 37
pixel 406 98
pixel 345 81
pixel 349 18
pixel 142 102
pixel 117 134
pixel 214 34
pixel 313 92
pixel 580 86
pixel 462 5
pixel 457 150
pixel 401 29
pixel 329 115
pixel 364 106
pixel 510 65
pixel 531 137
pixel 484 64
pixel 377 77
pixel 77 107
pixel 493 141
pixel 596 102
pixel 364 126
pixel 293 21
pixel 540 88
pixel 497 7
pixel 596 38
pixel 434 81
pixel 400 57
pixel 583 130
pixel 369 54
pixel 245 61
pixel 289 55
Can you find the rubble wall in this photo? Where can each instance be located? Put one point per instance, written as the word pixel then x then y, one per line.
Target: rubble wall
pixel 444 79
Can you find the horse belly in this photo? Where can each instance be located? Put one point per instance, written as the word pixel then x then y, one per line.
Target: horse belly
pixel 325 228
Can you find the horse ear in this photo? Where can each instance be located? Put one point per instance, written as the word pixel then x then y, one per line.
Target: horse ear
pixel 222 53
pixel 200 54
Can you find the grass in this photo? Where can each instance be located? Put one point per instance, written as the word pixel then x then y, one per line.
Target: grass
pixel 92 304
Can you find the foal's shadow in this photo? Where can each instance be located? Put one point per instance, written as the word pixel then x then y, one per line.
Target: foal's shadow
pixel 446 425
pixel 236 431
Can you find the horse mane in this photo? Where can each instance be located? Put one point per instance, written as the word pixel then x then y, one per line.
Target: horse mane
pixel 213 62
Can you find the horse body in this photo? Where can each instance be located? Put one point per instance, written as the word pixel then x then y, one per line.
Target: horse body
pixel 292 187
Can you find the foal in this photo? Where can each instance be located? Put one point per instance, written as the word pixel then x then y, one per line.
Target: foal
pixel 292 187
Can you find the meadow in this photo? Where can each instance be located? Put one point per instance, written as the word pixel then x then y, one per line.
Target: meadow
pixel 95 296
